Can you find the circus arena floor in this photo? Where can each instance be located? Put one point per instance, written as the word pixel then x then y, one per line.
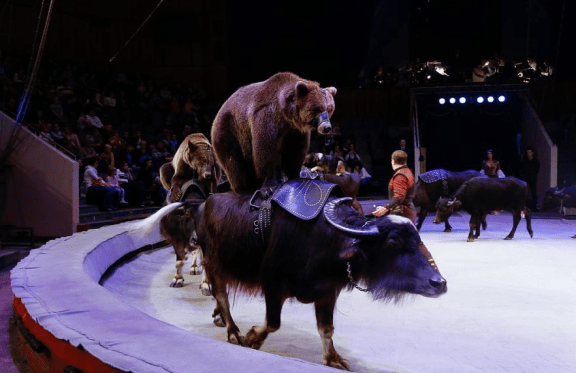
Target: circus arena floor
pixel 510 306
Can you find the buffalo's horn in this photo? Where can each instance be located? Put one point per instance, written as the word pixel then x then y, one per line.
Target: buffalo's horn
pixel 331 215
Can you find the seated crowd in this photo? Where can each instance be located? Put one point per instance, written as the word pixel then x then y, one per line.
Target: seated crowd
pixel 120 128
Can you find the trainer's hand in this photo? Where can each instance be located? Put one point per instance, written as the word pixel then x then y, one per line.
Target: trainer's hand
pixel 380 211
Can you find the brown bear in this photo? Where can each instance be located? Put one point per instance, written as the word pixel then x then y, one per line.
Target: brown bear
pixel 194 159
pixel 264 128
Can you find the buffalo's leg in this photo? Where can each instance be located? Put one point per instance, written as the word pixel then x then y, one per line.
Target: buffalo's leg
pixel 421 217
pixel 517 217
pixel 484 225
pixel 528 217
pixel 472 225
pixel 325 323
pixel 447 226
pixel 178 280
pixel 204 283
pixel 257 334
pixel 223 306
pixel 477 223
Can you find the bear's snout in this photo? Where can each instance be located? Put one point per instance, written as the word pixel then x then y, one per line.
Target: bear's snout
pixel 324 125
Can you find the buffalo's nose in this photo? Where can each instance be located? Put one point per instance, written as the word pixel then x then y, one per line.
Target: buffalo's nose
pixel 436 221
pixel 439 283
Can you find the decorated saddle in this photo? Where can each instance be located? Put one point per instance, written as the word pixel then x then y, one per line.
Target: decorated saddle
pixel 303 198
pixel 434 176
pixel 189 187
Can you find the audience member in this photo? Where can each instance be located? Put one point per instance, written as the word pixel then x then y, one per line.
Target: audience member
pixel 360 170
pixel 135 191
pixel 97 190
pixel 90 133
pixel 107 159
pixel 351 156
pixel 56 134
pixel 94 119
pixel 155 191
pixel 112 180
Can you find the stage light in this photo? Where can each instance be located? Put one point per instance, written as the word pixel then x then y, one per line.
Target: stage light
pixel 501 98
pixel 462 100
pixel 490 99
pixel 452 100
pixel 480 99
pixel 442 101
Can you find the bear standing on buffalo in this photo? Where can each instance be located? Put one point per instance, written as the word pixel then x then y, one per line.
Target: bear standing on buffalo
pixel 265 127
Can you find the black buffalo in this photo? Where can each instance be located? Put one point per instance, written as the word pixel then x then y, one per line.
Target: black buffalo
pixel 310 260
pixel 481 195
pixel 433 185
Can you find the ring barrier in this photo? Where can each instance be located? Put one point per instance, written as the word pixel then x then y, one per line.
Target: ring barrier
pixel 78 325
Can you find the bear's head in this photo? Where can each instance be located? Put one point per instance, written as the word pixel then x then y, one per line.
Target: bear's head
pixel 313 106
pixel 201 159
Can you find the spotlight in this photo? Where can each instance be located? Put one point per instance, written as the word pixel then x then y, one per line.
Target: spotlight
pixel 452 100
pixel 462 100
pixel 501 98
pixel 442 101
pixel 490 99
pixel 480 99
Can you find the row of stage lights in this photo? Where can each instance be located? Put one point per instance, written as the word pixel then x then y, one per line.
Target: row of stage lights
pixel 479 99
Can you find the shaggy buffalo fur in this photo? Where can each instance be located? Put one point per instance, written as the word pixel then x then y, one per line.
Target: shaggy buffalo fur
pixel 264 129
pixel 306 260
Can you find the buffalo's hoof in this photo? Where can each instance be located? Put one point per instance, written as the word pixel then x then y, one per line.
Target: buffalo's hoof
pixel 532 235
pixel 337 362
pixel 177 283
pixel 205 289
pixel 218 321
pixel 194 271
pixel 508 238
pixel 470 239
pixel 253 339
pixel 448 230
pixel 236 339
pixel 574 236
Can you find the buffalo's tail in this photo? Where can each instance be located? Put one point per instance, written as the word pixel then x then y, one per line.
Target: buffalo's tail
pixel 144 227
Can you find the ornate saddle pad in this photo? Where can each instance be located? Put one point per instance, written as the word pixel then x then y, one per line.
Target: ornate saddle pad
pixel 434 175
pixel 303 198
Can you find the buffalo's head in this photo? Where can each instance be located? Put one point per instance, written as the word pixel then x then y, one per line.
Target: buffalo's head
pixel 386 254
pixel 445 207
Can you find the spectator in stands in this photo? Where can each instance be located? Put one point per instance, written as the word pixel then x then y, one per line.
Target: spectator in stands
pixel 89 132
pixel 112 180
pixel 57 109
pixel 97 190
pixel 403 145
pixel 135 191
pixel 87 150
pixel 160 155
pixel 72 138
pixel 56 134
pixel 45 134
pixel 107 159
pixel 360 170
pixel 154 189
pixel 351 156
pixel 336 152
pixel 94 119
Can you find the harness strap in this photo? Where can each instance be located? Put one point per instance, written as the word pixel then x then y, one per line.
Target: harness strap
pixel 445 187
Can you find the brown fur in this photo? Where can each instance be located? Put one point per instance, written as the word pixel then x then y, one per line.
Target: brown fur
pixel 194 159
pixel 265 127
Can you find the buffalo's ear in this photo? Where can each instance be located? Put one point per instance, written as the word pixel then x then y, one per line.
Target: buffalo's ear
pixel 301 89
pixel 350 253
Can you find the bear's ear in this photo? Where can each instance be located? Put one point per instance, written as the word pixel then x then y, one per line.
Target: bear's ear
pixel 332 90
pixel 192 146
pixel 301 89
